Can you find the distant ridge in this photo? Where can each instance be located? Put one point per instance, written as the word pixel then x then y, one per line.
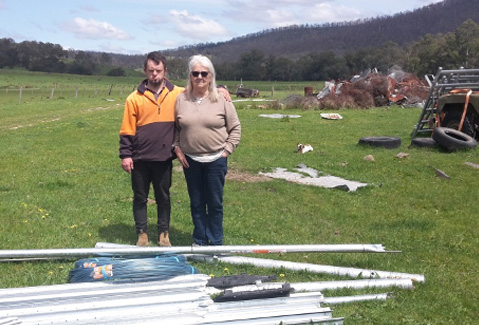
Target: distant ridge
pixel 296 41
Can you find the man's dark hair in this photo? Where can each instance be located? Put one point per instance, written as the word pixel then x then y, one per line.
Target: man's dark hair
pixel 156 57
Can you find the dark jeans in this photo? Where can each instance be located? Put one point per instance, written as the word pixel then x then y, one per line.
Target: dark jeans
pixel 157 173
pixel 205 183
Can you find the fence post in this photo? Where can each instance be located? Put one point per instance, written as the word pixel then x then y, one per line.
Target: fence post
pixel 76 92
pixel 20 95
pixel 51 93
pixel 110 90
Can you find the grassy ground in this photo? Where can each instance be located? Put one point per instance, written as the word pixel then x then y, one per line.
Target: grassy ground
pixel 62 187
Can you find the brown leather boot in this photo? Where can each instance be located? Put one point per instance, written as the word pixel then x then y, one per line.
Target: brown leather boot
pixel 142 240
pixel 164 239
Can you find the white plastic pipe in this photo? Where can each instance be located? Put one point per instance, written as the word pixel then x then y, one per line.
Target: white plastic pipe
pixel 315 268
pixel 246 249
pixel 99 250
pixel 346 299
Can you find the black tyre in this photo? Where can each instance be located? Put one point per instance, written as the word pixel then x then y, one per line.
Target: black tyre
pixel 423 142
pixel 452 139
pixel 452 119
pixel 385 142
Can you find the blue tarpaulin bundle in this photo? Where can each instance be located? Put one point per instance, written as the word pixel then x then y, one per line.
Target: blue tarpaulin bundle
pixel 149 268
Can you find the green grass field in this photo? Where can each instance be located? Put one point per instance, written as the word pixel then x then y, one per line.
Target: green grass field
pixel 62 187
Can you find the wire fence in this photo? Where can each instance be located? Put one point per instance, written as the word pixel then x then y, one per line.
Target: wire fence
pixel 28 94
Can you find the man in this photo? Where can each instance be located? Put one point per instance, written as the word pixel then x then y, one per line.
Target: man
pixel 146 138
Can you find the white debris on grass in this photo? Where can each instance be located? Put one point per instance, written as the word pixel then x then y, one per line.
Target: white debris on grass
pixel 369 158
pixel 312 179
pixel 473 165
pixel 279 116
pixel 331 116
pixel 303 148
pixel 402 155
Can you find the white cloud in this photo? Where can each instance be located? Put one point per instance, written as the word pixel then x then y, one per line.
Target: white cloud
pixel 299 3
pixel 84 8
pixel 154 19
pixel 277 18
pixel 270 13
pixel 428 2
pixel 93 29
pixel 292 12
pixel 88 8
pixel 325 12
pixel 196 27
pixel 166 44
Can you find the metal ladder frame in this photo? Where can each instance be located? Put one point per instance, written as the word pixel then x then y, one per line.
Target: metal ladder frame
pixel 443 82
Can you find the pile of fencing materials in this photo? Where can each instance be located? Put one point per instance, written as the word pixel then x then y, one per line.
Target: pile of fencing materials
pixel 186 299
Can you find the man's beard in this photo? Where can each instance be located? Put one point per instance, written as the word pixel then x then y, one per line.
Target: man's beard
pixel 155 83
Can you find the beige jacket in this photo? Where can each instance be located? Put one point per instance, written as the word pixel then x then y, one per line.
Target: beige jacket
pixel 206 128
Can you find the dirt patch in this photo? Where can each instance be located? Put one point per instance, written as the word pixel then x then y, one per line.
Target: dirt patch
pixel 236 175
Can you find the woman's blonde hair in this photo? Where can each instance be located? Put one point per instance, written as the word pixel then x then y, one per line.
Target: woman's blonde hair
pixel 205 62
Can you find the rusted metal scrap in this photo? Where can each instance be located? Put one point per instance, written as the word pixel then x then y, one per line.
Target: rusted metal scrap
pixel 246 92
pixel 372 89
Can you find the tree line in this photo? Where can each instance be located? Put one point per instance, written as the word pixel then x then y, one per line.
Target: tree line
pixel 48 57
pixel 452 50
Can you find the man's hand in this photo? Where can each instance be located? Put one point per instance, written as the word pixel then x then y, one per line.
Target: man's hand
pixel 127 164
pixel 225 93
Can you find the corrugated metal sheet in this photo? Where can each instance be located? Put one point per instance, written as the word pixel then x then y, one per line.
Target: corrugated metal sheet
pixel 181 300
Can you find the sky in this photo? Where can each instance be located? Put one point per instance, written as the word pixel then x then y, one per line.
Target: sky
pixel 135 27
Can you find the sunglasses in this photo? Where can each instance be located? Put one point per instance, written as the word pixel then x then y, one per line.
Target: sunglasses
pixel 204 74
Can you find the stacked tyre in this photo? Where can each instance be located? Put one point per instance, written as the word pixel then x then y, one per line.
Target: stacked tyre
pixel 381 141
pixel 452 139
pixel 421 142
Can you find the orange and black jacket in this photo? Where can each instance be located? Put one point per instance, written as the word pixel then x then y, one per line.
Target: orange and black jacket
pixel 148 124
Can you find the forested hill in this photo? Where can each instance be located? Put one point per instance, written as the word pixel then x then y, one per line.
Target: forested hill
pixel 295 41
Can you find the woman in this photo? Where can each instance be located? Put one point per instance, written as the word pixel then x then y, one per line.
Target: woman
pixel 207 131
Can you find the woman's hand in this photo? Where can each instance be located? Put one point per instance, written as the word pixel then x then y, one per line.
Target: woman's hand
pixel 181 157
